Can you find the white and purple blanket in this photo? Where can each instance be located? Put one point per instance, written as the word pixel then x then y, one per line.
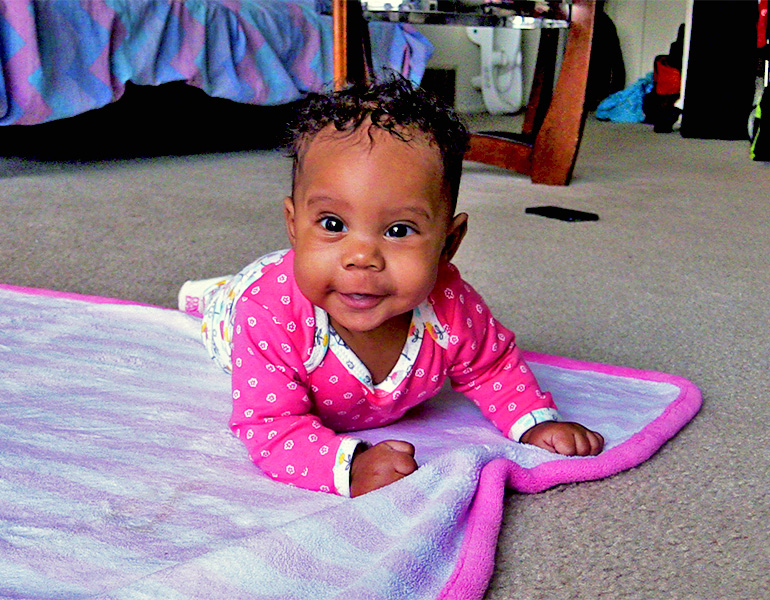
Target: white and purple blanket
pixel 120 479
pixel 60 58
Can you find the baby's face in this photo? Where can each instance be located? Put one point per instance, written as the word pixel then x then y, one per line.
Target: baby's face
pixel 368 223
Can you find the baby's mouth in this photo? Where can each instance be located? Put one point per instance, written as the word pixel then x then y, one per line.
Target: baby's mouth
pixel 360 301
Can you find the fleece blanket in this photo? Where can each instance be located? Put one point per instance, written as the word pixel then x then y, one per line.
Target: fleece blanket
pixel 120 479
pixel 60 58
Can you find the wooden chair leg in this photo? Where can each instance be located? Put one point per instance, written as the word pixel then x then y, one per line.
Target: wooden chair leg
pixel 553 124
pixel 558 140
pixel 351 45
pixel 541 91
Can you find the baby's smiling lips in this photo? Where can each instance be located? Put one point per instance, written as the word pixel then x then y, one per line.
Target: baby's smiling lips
pixel 360 301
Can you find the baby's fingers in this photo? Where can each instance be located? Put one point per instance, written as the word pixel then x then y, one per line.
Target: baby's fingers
pixel 579 442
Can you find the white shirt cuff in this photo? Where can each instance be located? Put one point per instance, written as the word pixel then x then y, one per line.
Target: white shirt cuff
pixel 528 421
pixel 341 469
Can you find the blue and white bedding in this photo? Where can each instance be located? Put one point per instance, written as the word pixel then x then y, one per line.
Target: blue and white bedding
pixel 60 58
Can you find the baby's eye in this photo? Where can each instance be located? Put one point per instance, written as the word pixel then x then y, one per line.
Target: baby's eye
pixel 332 224
pixel 399 230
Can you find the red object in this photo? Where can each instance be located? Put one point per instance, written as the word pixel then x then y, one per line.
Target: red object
pixel 762 24
pixel 667 78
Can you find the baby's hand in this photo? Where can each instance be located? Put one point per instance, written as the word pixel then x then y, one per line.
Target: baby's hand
pixel 570 439
pixel 380 465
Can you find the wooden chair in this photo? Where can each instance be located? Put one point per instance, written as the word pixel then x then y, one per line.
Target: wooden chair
pixel 547 147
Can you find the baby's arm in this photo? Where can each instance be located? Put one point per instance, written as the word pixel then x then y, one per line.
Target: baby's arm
pixel 380 465
pixel 570 439
pixel 272 410
pixel 490 369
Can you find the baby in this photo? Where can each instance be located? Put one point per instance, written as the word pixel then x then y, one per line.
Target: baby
pixel 365 316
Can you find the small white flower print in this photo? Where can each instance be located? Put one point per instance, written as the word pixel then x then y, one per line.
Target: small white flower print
pixel 270 367
pixel 286 348
pixel 492 408
pixel 479 308
pixel 453 339
pixel 268 420
pixel 249 434
pixel 521 387
pixel 290 469
pixel 523 369
pixel 323 450
pixel 263 345
pixel 292 385
pixel 253 382
pixel 288 445
pixel 291 327
pixel 248 413
pixel 281 278
pixel 236 394
pixel 238 362
pixel 495 347
pixel 265 453
pixel 328 402
pixel 316 424
pixel 512 406
pixel 312 437
pixel 497 386
pixel 272 434
pixel 310 322
pixel 420 373
pixel 333 379
pixel 347 395
pixel 285 300
pixel 449 293
pixel 251 321
pixel 271 398
pixel 304 472
pixel 238 329
pixel 324 488
pixel 469 322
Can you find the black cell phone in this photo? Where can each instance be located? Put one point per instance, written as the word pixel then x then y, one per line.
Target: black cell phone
pixel 563 214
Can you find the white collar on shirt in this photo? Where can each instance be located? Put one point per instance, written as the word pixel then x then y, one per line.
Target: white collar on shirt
pixel 423 319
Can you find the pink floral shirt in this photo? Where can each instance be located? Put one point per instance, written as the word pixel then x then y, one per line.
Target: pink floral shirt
pixel 297 388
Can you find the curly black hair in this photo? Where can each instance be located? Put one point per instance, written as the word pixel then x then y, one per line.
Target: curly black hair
pixel 396 106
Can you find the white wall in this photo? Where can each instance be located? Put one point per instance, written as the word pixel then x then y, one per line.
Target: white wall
pixel 646 28
pixel 453 50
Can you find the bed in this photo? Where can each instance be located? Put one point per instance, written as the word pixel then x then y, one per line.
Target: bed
pixel 62 58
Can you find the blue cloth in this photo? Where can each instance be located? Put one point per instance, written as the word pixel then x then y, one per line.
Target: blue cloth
pixel 625 106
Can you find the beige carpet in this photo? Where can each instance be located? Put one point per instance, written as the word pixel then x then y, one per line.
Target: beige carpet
pixel 674 277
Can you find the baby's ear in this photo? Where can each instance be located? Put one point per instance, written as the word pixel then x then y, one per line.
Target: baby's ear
pixel 455 234
pixel 288 214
